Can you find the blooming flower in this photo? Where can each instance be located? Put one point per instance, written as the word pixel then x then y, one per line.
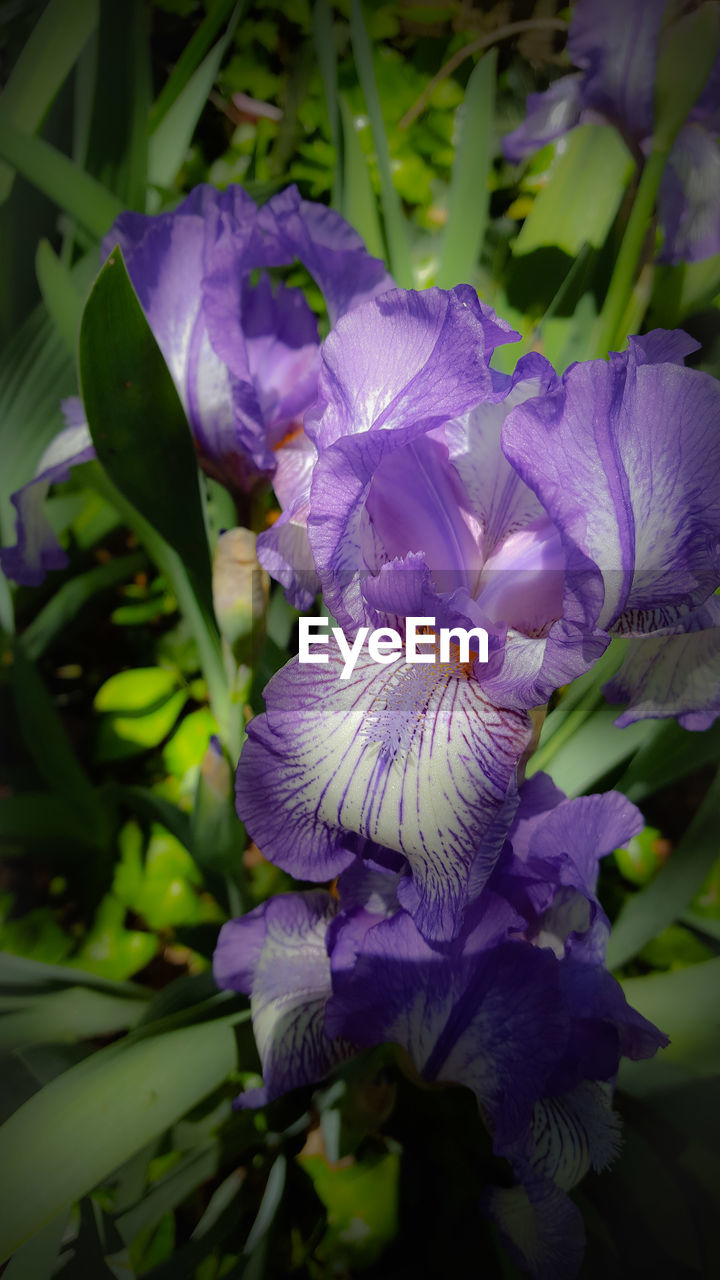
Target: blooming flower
pixel 243 355
pixel 615 45
pixel 518 1008
pixel 555 513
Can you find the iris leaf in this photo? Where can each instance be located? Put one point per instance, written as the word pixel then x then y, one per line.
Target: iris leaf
pixel 583 194
pixel 137 422
pixel 359 203
pixel 60 293
pixel 323 39
pixel 62 608
pixel 469 192
pixel 645 914
pixel 62 181
pixel 92 1118
pixel 395 225
pixel 173 133
pixel 44 64
pixel 117 142
pixel 189 60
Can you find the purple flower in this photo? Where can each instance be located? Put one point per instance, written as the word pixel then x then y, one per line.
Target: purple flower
pixel 243 355
pixel 615 45
pixel 518 1008
pixel 554 513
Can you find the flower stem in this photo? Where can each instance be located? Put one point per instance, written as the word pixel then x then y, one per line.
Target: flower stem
pixel 606 334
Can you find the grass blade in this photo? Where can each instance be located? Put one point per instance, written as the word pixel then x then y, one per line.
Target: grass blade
pixel 117 144
pixel 469 191
pixel 64 606
pixel 396 227
pixel 172 135
pixel 323 39
pixel 359 203
pixel 94 1117
pixel 42 68
pixel 189 60
pixel 60 294
pixel 62 181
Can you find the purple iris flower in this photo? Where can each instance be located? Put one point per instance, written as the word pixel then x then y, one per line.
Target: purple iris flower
pixel 553 513
pixel 518 1008
pixel 243 354
pixel 615 45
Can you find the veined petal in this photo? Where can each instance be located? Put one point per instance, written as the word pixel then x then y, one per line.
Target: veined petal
pixel 689 196
pixel 278 953
pixel 625 458
pixel 413 757
pixel 541 1228
pixel 406 359
pixel 37 549
pixel 673 675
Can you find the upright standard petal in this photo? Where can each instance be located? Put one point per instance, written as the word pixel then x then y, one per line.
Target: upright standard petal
pixel 412 757
pixel 333 252
pixel 639 508
pixel 37 549
pixel 614 42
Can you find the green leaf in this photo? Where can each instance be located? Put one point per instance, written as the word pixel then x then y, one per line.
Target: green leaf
pixel 63 607
pixel 54 45
pixel 20 974
pixel 359 204
pixel 47 742
pixel 395 225
pixel 190 58
pixel 168 144
pixel 42 821
pixel 127 388
pixel 324 42
pixel 670 755
pixel 62 181
pixel 685 1004
pixel 117 144
pixel 60 294
pixel 645 914
pixel 120 736
pixel 74 1014
pixel 590 750
pixel 164 1196
pixel 469 190
pixel 35 371
pixel 136 692
pixel 583 194
pixel 37 1258
pixel 92 1118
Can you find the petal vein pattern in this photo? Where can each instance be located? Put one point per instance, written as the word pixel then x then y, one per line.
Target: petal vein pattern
pixel 413 758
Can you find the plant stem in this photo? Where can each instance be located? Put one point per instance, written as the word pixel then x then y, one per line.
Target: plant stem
pixel 606 334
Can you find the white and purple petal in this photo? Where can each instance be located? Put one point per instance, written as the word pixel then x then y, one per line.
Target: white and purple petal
pixel 673 675
pixel 37 549
pixel 412 757
pixel 277 954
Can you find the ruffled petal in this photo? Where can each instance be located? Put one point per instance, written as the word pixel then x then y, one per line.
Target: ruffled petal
pixel 625 458
pixel 676 675
pixel 412 757
pixel 37 549
pixel 333 252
